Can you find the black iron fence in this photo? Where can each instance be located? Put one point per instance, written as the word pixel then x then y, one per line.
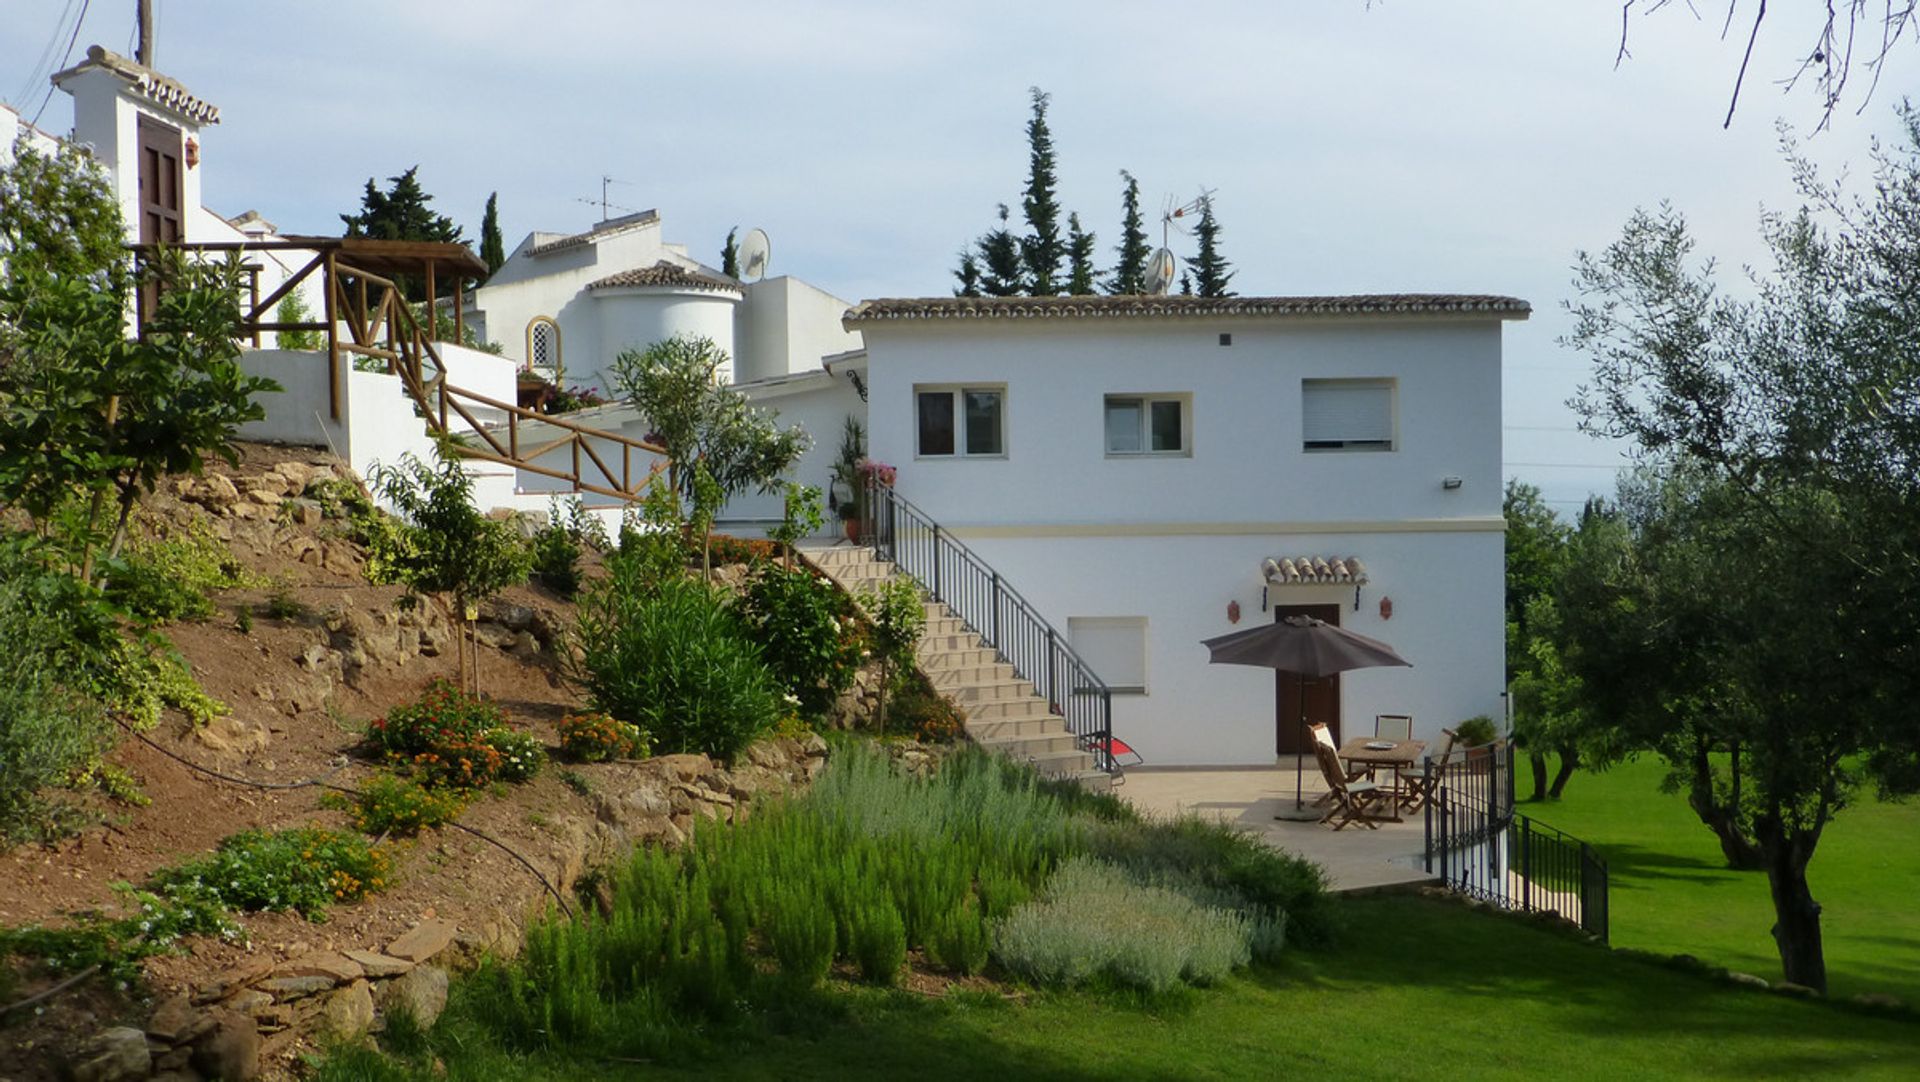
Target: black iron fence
pixel 1480 846
pixel 953 573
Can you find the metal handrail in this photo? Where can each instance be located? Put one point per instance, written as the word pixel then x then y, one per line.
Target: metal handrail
pixel 1004 619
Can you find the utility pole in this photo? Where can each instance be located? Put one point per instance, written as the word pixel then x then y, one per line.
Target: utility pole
pixel 144 9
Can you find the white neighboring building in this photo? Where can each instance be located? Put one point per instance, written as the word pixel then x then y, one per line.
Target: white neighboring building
pixel 1130 464
pixel 566 305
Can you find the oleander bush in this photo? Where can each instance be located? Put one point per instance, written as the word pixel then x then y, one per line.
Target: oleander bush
pixel 809 632
pixel 671 657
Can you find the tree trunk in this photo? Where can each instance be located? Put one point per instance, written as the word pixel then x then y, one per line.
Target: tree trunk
pixel 880 708
pixel 1569 762
pixel 1796 916
pixel 1539 759
pixel 1740 851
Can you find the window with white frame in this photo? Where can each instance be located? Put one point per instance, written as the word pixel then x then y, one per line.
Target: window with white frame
pixel 960 421
pixel 1147 424
pixel 1347 414
pixel 1114 647
pixel 543 346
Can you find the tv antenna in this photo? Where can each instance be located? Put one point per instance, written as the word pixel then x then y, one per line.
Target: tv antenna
pixel 756 251
pixel 1170 215
pixel 602 202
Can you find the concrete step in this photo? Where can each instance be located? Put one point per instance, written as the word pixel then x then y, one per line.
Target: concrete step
pixel 986 691
pixel 1056 764
pixel 939 661
pixel 1005 709
pixel 1094 781
pixel 945 625
pixel 1001 728
pixel 951 678
pixel 934 644
pixel 1031 744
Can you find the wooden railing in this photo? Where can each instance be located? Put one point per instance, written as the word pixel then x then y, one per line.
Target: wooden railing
pixel 367 315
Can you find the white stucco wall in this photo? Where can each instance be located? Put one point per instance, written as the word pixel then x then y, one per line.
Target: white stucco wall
pixel 106 118
pixel 785 325
pixel 1174 539
pixel 818 404
pixel 637 318
pixel 554 285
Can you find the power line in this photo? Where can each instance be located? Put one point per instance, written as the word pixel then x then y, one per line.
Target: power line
pixel 75 36
pixel 1569 465
pixel 43 67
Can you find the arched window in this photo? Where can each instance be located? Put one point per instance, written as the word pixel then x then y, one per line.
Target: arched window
pixel 543 347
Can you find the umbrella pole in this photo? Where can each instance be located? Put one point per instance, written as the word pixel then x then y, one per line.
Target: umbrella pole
pixel 1299 801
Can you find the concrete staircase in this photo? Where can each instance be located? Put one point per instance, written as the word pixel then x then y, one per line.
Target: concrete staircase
pixel 1002 711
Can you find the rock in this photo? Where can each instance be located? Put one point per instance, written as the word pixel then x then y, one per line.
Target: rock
pixel 494 635
pixel 525 643
pixel 421 993
pixel 423 941
pixel 298 475
pixel 315 657
pixel 116 1055
pixel 304 512
pixel 684 766
pixel 176 1021
pixel 171 1062
pixel 265 497
pixel 379 965
pixel 1879 1001
pixel 507 614
pixel 247 1001
pixel 283 989
pixel 230 735
pixel 230 1051
pixel 339 968
pixel 1797 991
pixel 340 559
pixel 1748 979
pixel 216 491
pixel 349 1011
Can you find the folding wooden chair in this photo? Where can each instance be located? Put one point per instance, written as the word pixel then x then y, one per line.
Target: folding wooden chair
pixel 1421 787
pixel 1352 798
pixel 1393 726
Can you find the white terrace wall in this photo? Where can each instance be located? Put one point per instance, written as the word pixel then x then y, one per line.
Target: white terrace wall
pixel 1174 539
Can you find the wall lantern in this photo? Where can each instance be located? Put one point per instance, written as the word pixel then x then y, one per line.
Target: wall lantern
pixel 193 152
pixel 1386 608
pixel 1233 612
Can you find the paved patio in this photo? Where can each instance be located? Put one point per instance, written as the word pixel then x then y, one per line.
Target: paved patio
pixel 1355 858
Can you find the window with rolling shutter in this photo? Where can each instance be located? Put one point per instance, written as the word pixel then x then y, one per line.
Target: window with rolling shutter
pixel 1347 414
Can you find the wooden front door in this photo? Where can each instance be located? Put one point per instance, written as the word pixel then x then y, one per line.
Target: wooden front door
pixel 162 216
pixel 1322 702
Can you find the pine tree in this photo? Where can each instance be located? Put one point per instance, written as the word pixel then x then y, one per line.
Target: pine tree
pixel 968 275
pixel 1002 272
pixel 1079 258
pixel 401 213
pixel 1211 271
pixel 1041 247
pixel 730 254
pixel 493 251
pixel 1186 284
pixel 1130 274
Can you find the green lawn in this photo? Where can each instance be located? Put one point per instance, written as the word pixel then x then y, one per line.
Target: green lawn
pixel 1418 989
pixel 1671 891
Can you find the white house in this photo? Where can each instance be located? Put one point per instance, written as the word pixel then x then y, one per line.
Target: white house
pixel 1150 470
pixel 567 304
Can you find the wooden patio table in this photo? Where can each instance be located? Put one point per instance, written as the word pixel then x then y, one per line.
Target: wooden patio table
pixel 1402 755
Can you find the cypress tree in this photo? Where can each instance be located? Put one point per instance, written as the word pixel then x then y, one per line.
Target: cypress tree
pixel 1130 273
pixel 730 255
pixel 1186 284
pixel 493 251
pixel 1079 258
pixel 968 275
pixel 1002 272
pixel 1211 271
pixel 1041 247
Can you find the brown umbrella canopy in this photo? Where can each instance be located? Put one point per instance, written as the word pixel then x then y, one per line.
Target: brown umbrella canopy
pixel 1304 646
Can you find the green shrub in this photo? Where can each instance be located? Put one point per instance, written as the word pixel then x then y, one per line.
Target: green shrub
pixel 959 942
pixel 442 714
pixel 305 869
pixel 924 713
pixel 521 754
pixel 340 498
pixel 674 661
pixel 558 546
pixel 282 605
pixel 47 734
pixel 801 934
pixel 1218 865
pixel 169 578
pixel 726 549
pixel 809 631
pixel 458 762
pixel 1095 922
pixel 1476 731
pixel 597 738
pixel 390 805
pixel 879 942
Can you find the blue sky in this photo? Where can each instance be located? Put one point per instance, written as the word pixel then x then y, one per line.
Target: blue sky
pixel 1466 146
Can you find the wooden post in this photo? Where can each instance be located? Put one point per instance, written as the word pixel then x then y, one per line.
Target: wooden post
pixel 459 311
pixel 332 283
pixel 433 320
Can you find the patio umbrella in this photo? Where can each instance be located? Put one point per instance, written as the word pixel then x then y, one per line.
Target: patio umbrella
pixel 1304 646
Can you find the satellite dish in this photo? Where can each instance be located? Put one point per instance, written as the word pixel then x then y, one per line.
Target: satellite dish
pixel 755 252
pixel 1160 268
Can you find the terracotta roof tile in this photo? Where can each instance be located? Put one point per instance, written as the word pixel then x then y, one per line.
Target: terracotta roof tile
pixel 155 87
pixel 666 274
pixel 1138 306
pixel 1313 571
